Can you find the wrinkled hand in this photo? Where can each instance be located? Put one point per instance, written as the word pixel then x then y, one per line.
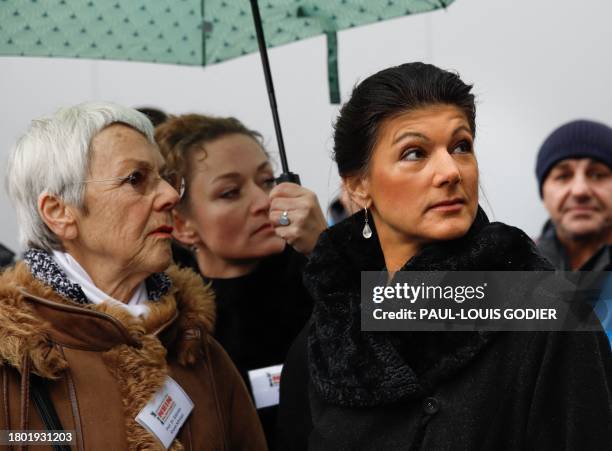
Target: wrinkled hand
pixel 304 212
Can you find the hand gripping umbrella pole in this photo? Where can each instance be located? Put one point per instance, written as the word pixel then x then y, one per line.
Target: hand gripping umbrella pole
pixel 286 176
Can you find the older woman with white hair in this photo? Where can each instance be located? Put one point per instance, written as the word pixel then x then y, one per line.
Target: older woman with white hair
pixel 99 337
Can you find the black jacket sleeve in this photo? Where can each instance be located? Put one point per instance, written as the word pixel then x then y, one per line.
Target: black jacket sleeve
pixel 294 419
pixel 571 406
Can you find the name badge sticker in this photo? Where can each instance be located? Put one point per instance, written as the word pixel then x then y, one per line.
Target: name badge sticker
pixel 265 383
pixel 166 412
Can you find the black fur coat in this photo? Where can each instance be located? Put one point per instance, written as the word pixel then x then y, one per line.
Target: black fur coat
pixel 343 389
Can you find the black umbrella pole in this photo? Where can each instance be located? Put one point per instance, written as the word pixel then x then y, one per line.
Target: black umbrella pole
pixel 286 176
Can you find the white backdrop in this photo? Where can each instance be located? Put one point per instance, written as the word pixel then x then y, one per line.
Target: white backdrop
pixel 534 63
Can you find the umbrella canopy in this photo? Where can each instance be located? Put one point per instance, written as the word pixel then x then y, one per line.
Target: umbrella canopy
pixel 189 32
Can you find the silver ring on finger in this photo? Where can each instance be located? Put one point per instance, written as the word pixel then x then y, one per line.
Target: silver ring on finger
pixel 284 218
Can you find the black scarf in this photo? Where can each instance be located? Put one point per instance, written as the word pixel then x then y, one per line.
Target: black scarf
pixel 43 267
pixel 353 368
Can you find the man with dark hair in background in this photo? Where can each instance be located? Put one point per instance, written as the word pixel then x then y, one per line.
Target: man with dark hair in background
pixel 6 256
pixel 155 115
pixel 574 171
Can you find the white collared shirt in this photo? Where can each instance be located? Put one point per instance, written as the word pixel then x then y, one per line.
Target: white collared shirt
pixel 75 272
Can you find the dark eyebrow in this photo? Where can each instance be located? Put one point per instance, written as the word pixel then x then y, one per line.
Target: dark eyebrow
pixel 462 128
pixel 413 134
pixel 594 164
pixel 235 175
pixel 263 166
pixel 425 138
pixel 227 175
pixel 562 166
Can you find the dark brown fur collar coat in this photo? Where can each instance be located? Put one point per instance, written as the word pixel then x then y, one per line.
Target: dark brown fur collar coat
pixel 103 365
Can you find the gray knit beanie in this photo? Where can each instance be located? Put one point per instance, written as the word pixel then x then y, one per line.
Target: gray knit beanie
pixel 577 139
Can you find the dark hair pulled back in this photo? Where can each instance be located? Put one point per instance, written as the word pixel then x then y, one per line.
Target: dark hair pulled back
pixel 386 94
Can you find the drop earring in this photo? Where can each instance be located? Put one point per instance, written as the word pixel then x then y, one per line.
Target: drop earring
pixel 367 231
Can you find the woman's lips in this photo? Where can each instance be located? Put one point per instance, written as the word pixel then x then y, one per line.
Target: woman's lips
pixel 267 227
pixel 163 231
pixel 450 205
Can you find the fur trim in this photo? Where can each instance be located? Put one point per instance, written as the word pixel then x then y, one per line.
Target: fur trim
pixel 21 331
pixel 196 305
pixel 141 371
pixel 354 368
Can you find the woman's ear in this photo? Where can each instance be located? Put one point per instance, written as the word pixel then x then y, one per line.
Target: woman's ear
pixel 59 217
pixel 184 230
pixel 358 189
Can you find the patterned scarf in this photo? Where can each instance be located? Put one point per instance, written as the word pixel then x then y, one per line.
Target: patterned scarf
pixel 44 268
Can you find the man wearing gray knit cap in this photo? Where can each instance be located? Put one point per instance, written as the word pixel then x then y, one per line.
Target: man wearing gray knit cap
pixel 574 171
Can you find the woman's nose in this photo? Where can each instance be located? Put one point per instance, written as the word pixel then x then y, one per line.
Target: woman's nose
pixel 260 201
pixel 445 169
pixel 167 196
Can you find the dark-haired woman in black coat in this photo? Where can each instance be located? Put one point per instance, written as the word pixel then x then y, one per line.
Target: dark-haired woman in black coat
pixel 404 147
pixel 249 240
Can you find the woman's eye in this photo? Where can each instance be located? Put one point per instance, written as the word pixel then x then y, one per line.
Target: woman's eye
pixel 463 147
pixel 136 178
pixel 230 193
pixel 269 183
pixel 412 155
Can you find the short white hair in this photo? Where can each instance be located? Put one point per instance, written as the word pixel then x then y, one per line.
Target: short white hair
pixel 53 156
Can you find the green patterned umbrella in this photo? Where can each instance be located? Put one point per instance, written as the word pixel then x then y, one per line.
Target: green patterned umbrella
pixel 190 32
